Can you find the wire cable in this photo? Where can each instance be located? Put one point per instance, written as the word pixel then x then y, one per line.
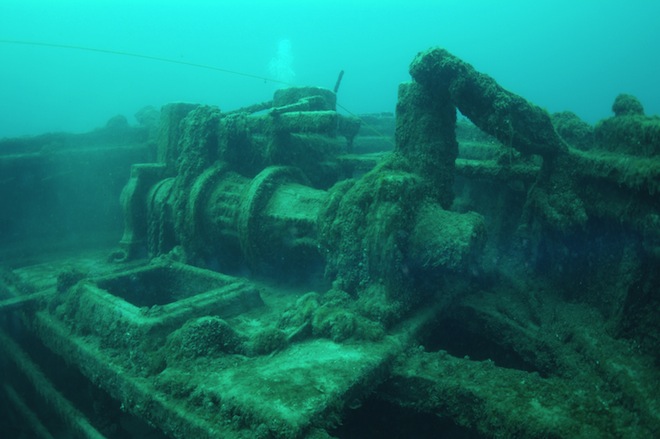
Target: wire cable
pixel 142 56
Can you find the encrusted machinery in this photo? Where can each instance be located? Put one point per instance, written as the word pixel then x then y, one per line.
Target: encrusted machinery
pixel 251 193
pixel 271 283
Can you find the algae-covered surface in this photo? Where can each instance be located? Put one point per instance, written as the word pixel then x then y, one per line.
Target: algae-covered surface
pixel 286 272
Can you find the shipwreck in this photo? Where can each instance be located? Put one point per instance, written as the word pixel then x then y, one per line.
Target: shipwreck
pixel 289 271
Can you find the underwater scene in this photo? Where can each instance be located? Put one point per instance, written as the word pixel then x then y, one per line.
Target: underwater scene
pixel 329 219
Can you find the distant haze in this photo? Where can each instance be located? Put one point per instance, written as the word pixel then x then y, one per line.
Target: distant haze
pixel 562 55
